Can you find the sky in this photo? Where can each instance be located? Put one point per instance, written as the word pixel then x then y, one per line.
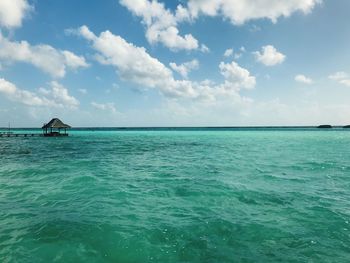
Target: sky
pixel 132 63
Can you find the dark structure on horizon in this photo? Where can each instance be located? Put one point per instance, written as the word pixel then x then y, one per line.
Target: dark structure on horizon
pixel 325 126
pixel 55 127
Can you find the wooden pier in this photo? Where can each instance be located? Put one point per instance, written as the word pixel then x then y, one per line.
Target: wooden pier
pixel 33 134
pixel 21 135
pixel 51 129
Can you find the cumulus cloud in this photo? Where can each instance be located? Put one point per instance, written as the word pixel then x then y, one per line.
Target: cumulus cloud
pixel 170 38
pixel 55 96
pixel 269 56
pixel 236 76
pixel 59 94
pixel 204 49
pixel 341 77
pixel 12 12
pixel 135 65
pixel 73 61
pixel 104 106
pixel 23 96
pixel 241 11
pixel 161 23
pixel 185 68
pixel 228 52
pixel 45 57
pixel 303 79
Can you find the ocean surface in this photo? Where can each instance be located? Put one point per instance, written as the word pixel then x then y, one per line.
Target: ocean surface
pixel 176 195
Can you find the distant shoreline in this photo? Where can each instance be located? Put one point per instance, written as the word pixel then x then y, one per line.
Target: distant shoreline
pixel 184 127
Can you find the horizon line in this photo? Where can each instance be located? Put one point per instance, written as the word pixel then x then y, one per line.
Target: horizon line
pixel 179 127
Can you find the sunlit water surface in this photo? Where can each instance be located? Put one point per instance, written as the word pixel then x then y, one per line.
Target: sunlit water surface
pixel 176 196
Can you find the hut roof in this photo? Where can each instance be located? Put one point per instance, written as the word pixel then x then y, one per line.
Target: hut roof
pixel 56 124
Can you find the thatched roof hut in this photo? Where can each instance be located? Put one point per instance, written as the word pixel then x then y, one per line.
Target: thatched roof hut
pixel 55 126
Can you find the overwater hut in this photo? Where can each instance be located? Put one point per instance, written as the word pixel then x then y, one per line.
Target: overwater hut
pixel 55 128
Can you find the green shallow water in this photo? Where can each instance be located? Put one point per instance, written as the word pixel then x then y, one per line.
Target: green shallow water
pixel 176 196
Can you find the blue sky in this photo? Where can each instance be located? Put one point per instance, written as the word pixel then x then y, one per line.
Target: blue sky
pixel 175 63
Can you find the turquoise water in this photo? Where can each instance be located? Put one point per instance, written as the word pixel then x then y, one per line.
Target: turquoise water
pixel 176 196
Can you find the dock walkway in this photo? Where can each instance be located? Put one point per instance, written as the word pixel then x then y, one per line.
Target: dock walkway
pixel 5 134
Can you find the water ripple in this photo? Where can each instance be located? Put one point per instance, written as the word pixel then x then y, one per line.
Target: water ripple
pixel 196 196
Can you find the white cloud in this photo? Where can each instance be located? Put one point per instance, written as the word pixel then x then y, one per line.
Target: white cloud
pixel 23 96
pixel 236 76
pixel 7 87
pixel 12 12
pixel 241 11
pixel 269 56
pixel 104 106
pixel 303 79
pixel 237 55
pixel 254 28
pixel 48 59
pixel 341 77
pixel 204 49
pixel 185 68
pixel 161 23
pixel 60 96
pixel 56 96
pixel 228 52
pixel 73 61
pixel 170 38
pixel 135 65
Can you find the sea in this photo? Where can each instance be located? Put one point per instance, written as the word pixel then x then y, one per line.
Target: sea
pixel 176 195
